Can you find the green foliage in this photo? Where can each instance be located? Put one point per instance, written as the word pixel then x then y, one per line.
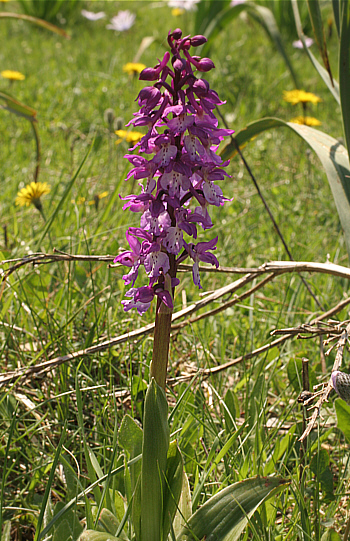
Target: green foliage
pixel 54 11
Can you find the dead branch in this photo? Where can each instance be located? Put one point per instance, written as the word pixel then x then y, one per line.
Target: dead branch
pixel 273 268
pixel 326 392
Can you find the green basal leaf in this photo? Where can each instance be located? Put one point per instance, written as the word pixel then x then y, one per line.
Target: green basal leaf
pixel 91 535
pixel 107 522
pixel 230 509
pixel 331 152
pixel 344 70
pixel 154 462
pixel 331 535
pixel 136 510
pixel 184 508
pixel 173 486
pixel 130 439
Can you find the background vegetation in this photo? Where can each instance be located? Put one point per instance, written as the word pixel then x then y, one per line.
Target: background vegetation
pixel 55 309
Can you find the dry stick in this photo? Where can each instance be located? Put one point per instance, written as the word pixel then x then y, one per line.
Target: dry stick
pixel 52 363
pixel 275 267
pixel 262 349
pixel 324 396
pixel 273 219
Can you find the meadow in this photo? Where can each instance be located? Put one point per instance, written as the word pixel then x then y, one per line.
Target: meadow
pixel 58 301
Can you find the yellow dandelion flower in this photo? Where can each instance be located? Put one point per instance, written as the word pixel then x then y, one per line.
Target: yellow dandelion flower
pixel 97 198
pixel 12 75
pixel 176 12
pixel 129 136
pixel 133 68
pixel 31 194
pixel 306 120
pixel 300 96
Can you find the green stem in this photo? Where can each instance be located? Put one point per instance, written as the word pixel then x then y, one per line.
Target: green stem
pixel 161 343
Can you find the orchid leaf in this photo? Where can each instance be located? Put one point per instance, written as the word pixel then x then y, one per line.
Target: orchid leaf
pixel 110 524
pixel 154 462
pixel 130 439
pixel 332 85
pixel 320 38
pixel 228 512
pixel 173 486
pixel 344 70
pixel 331 152
pixel 91 535
pixel 184 508
pixel 34 20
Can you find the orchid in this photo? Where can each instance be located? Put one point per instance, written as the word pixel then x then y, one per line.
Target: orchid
pixel 178 162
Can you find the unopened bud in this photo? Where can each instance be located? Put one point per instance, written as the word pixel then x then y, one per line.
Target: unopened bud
pixel 341 385
pixel 196 41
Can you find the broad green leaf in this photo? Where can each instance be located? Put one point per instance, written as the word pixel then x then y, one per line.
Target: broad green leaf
pixel 154 461
pixel 330 535
pixel 331 152
pixel 184 510
pixel 91 535
pixel 172 487
pixel 110 524
pixel 230 509
pixel 343 417
pixel 130 439
pixel 344 70
pixel 64 532
pixel 320 38
pixel 15 106
pixel 34 20
pixel 332 85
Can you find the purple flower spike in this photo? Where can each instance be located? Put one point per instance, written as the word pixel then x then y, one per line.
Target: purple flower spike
pixel 178 165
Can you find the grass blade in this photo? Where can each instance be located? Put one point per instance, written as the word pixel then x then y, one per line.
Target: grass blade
pixel 39 535
pixel 63 198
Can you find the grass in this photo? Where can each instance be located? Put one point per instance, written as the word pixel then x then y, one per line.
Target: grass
pixel 58 308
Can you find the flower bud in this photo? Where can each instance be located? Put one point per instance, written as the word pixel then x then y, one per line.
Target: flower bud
pixel 196 41
pixel 149 74
pixel 177 33
pixel 178 64
pixel 205 64
pixel 341 385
